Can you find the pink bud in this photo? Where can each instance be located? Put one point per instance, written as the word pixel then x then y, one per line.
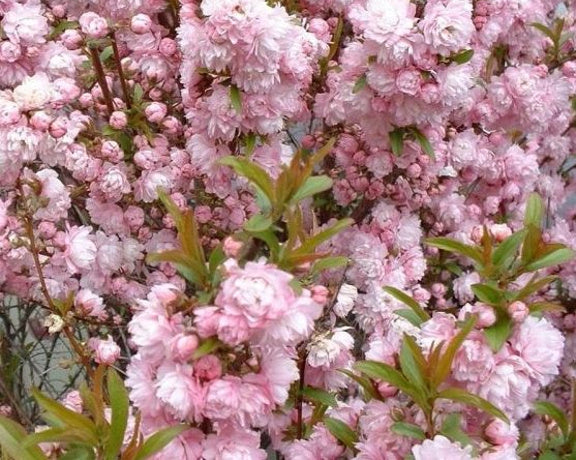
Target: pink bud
pixel 500 232
pixel 41 121
pixel 155 112
pixel 10 52
pixel 72 39
pixel 477 234
pixel 59 127
pixel 438 290
pixel 118 120
pixel 105 351
pixel 501 433
pixel 168 47
pixel 387 390
pixel 518 311
pixel 486 315
pixel 86 100
pixel 320 294
pixel 111 151
pixel 93 25
pixel 9 113
pixel 184 346
pixel 232 247
pixel 308 142
pixel 140 24
pixel 208 367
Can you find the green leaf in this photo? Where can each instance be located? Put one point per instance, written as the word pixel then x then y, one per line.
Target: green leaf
pixel 534 286
pixel 545 30
pixel 553 411
pixel 68 417
pixel 310 244
pixel 497 334
pixel 556 257
pixel 341 431
pixel 546 306
pixel 367 386
pixel 158 441
pixel 360 84
pixel 549 455
pixel 236 98
pixel 318 395
pixel 217 256
pixel 312 186
pixel 254 173
pixel 441 372
pixel 249 144
pixel 11 438
pixel 409 315
pixel 407 300
pixel 78 453
pixel 462 396
pixel 451 428
pixel 396 138
pixel 138 94
pixel 408 429
pixel 507 250
pixel 206 347
pixel 462 57
pixel 488 294
pixel 106 53
pixel 448 244
pixel 384 372
pixel 534 210
pixel 328 263
pixel 424 142
pixel 120 404
pixel 258 223
pixel 412 362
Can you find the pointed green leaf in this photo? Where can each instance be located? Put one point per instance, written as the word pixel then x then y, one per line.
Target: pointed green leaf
pixel 328 263
pixel 464 397
pixel 462 57
pixel 488 294
pixel 442 370
pixel 424 142
pixel 11 437
pixel 534 210
pixel 451 428
pixel 78 453
pixel 158 441
pixel 556 257
pixel 258 223
pixel 312 186
pixel 497 334
pixel 412 362
pixel 369 391
pixel 507 250
pixel 410 316
pixel 253 172
pixel 120 404
pixel 408 429
pixel 341 431
pixel 318 395
pixel 534 286
pixel 206 347
pixel 396 138
pixel 236 98
pixel 448 244
pixel 66 416
pixel 409 301
pixel 360 84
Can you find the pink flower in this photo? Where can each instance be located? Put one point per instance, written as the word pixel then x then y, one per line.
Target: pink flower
pixel 25 23
pixel 105 351
pixel 80 249
pixel 208 367
pixel 441 448
pixel 223 398
pixel 258 293
pixel 232 247
pixel 93 25
pixel 408 81
pixel 541 346
pixel 118 120
pixel 155 112
pixel 73 401
pixel 233 443
pixel 447 25
pixel 140 24
pixel 34 92
pixel 176 388
pixel 501 433
pixel 90 304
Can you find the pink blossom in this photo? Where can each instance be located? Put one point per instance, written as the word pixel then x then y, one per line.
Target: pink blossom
pixel 80 249
pixel 441 448
pixel 93 25
pixel 105 351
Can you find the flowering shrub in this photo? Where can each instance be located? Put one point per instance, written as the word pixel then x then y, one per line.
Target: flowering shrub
pixel 297 229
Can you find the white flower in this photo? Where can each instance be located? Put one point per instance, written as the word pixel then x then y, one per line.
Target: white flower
pixel 54 323
pixel 34 92
pixel 345 299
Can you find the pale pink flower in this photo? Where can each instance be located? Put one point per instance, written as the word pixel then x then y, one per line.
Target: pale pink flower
pixel 105 351
pixel 25 23
pixel 441 448
pixel 80 249
pixel 233 443
pixel 35 92
pixel 179 391
pixel 93 25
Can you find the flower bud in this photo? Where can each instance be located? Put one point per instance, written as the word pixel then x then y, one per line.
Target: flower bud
pixel 320 294
pixel 232 247
pixel 155 112
pixel 518 311
pixel 93 25
pixel 118 120
pixel 140 24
